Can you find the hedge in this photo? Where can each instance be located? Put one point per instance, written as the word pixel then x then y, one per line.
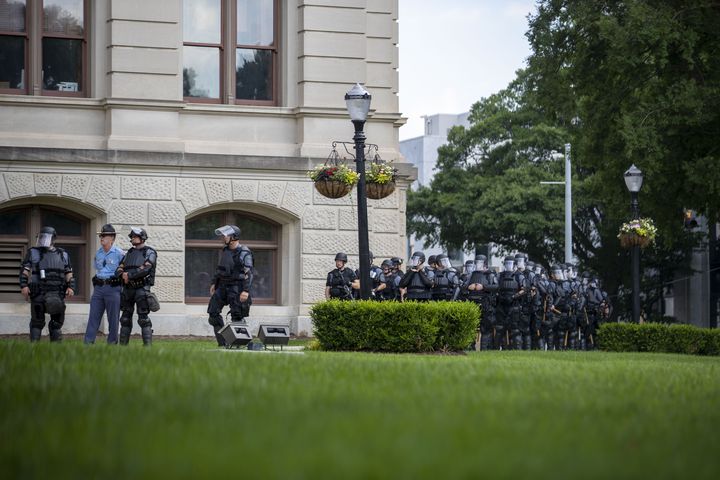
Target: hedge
pixel 656 337
pixel 394 326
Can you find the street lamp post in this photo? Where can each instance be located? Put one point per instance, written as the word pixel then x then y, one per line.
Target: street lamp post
pixel 358 106
pixel 568 204
pixel 634 181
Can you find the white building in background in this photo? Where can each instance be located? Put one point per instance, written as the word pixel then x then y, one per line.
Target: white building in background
pixel 422 152
pixel 134 113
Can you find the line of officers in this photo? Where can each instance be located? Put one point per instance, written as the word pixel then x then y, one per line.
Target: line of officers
pixel 522 307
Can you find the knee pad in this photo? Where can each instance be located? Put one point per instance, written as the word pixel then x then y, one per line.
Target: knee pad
pixel 56 323
pixel 216 320
pixel 144 322
pixel 126 321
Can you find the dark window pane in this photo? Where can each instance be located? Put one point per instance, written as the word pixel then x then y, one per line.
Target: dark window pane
pixel 200 266
pixel 203 228
pixel 254 229
pixel 255 24
pixel 62 64
pixel 201 72
pixel 74 252
pixel 264 278
pixel 12 62
pixel 253 80
pixel 13 223
pixel 201 21
pixel 63 16
pixel 64 226
pixel 12 15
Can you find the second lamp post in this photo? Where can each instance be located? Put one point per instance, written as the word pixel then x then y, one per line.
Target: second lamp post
pixel 634 181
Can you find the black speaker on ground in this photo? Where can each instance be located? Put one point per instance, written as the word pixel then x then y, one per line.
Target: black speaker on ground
pixel 236 334
pixel 274 334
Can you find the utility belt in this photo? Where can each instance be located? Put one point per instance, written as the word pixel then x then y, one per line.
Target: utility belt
pixel 99 282
pixel 139 283
pixel 229 281
pixel 39 288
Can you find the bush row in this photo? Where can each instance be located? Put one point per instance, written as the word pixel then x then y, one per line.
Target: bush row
pixel 393 326
pixel 655 337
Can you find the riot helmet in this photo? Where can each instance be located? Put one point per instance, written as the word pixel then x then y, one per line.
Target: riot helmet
pixel 386 264
pixel 443 262
pixel 509 263
pixel 432 260
pixel 139 233
pixel 557 272
pixel 397 261
pixel 469 266
pixel 46 237
pixel 585 278
pixel 480 262
pixel 231 231
pixel 520 259
pixel 341 257
pixel 539 270
pixel 417 259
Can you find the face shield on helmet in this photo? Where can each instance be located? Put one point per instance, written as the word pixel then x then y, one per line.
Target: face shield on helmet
pixel 226 231
pixel 443 262
pixel 469 266
pixel 44 240
pixel 509 264
pixel 520 262
pixel 557 273
pixel 538 269
pixel 416 260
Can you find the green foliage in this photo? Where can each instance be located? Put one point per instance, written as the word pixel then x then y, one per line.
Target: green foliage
pixel 657 337
pixel 341 173
pixel 394 326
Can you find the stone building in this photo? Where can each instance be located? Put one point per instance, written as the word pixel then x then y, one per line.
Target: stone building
pixel 183 115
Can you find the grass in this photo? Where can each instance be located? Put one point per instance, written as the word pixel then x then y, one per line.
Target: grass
pixel 187 410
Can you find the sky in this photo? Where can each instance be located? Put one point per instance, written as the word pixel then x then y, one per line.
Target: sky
pixel 454 52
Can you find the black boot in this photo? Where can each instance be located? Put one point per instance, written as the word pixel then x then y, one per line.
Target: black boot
pixel 146 333
pixel 125 335
pixel 55 335
pixel 35 334
pixel 218 337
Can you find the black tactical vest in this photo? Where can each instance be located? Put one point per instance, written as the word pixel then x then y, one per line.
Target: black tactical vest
pixel 135 258
pixel 48 267
pixel 231 267
pixel 508 287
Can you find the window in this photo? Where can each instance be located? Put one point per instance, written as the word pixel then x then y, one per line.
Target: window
pixel 202 250
pixel 230 51
pixel 19 228
pixel 48 49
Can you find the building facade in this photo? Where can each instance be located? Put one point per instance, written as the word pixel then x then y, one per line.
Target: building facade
pixel 180 116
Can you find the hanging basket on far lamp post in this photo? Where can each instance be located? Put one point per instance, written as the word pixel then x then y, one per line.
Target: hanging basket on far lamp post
pixel 380 178
pixel 333 179
pixel 639 232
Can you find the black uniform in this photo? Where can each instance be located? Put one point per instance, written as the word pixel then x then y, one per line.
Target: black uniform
pixel 139 264
pixel 418 284
pixel 508 308
pixel 340 283
pixel 593 314
pixel 543 319
pixel 446 285
pixel 233 275
pixel 486 298
pixel 561 306
pixel 48 267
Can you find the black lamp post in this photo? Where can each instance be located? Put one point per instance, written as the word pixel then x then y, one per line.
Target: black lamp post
pixel 634 181
pixel 358 106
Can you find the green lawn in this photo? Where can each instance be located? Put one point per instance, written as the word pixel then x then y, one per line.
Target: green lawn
pixel 187 410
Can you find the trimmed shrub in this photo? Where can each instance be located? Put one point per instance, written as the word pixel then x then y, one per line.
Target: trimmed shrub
pixel 394 327
pixel 656 337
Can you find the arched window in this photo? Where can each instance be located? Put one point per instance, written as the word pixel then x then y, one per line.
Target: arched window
pixel 202 249
pixel 19 228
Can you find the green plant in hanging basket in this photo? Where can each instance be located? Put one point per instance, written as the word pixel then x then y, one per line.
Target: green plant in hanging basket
pixel 639 231
pixel 380 180
pixel 334 180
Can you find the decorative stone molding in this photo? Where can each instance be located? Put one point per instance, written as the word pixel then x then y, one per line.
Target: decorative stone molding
pixel 19 184
pixel 320 218
pixel 384 221
pixel 297 197
pixel 47 184
pixel 271 192
pixel 127 212
pixel 349 218
pixel 191 192
pixel 313 291
pixel 327 242
pixel 146 188
pixel 246 190
pixel 169 289
pixel 316 267
pixel 75 186
pixel 102 191
pixel 218 191
pixel 166 238
pixel 166 213
pixel 171 264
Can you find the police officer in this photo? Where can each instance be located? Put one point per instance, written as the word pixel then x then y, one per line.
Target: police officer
pixel 523 336
pixel 376 277
pixel 542 300
pixel 107 286
pixel 392 282
pixel 339 283
pixel 482 286
pixel 137 271
pixel 560 307
pixel 46 278
pixel 468 269
pixel 233 280
pixel 508 305
pixel 446 285
pixel 417 281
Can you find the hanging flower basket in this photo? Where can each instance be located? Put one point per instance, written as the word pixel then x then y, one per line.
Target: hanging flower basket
pixel 332 188
pixel 333 179
pixel 640 232
pixel 380 177
pixel 376 191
